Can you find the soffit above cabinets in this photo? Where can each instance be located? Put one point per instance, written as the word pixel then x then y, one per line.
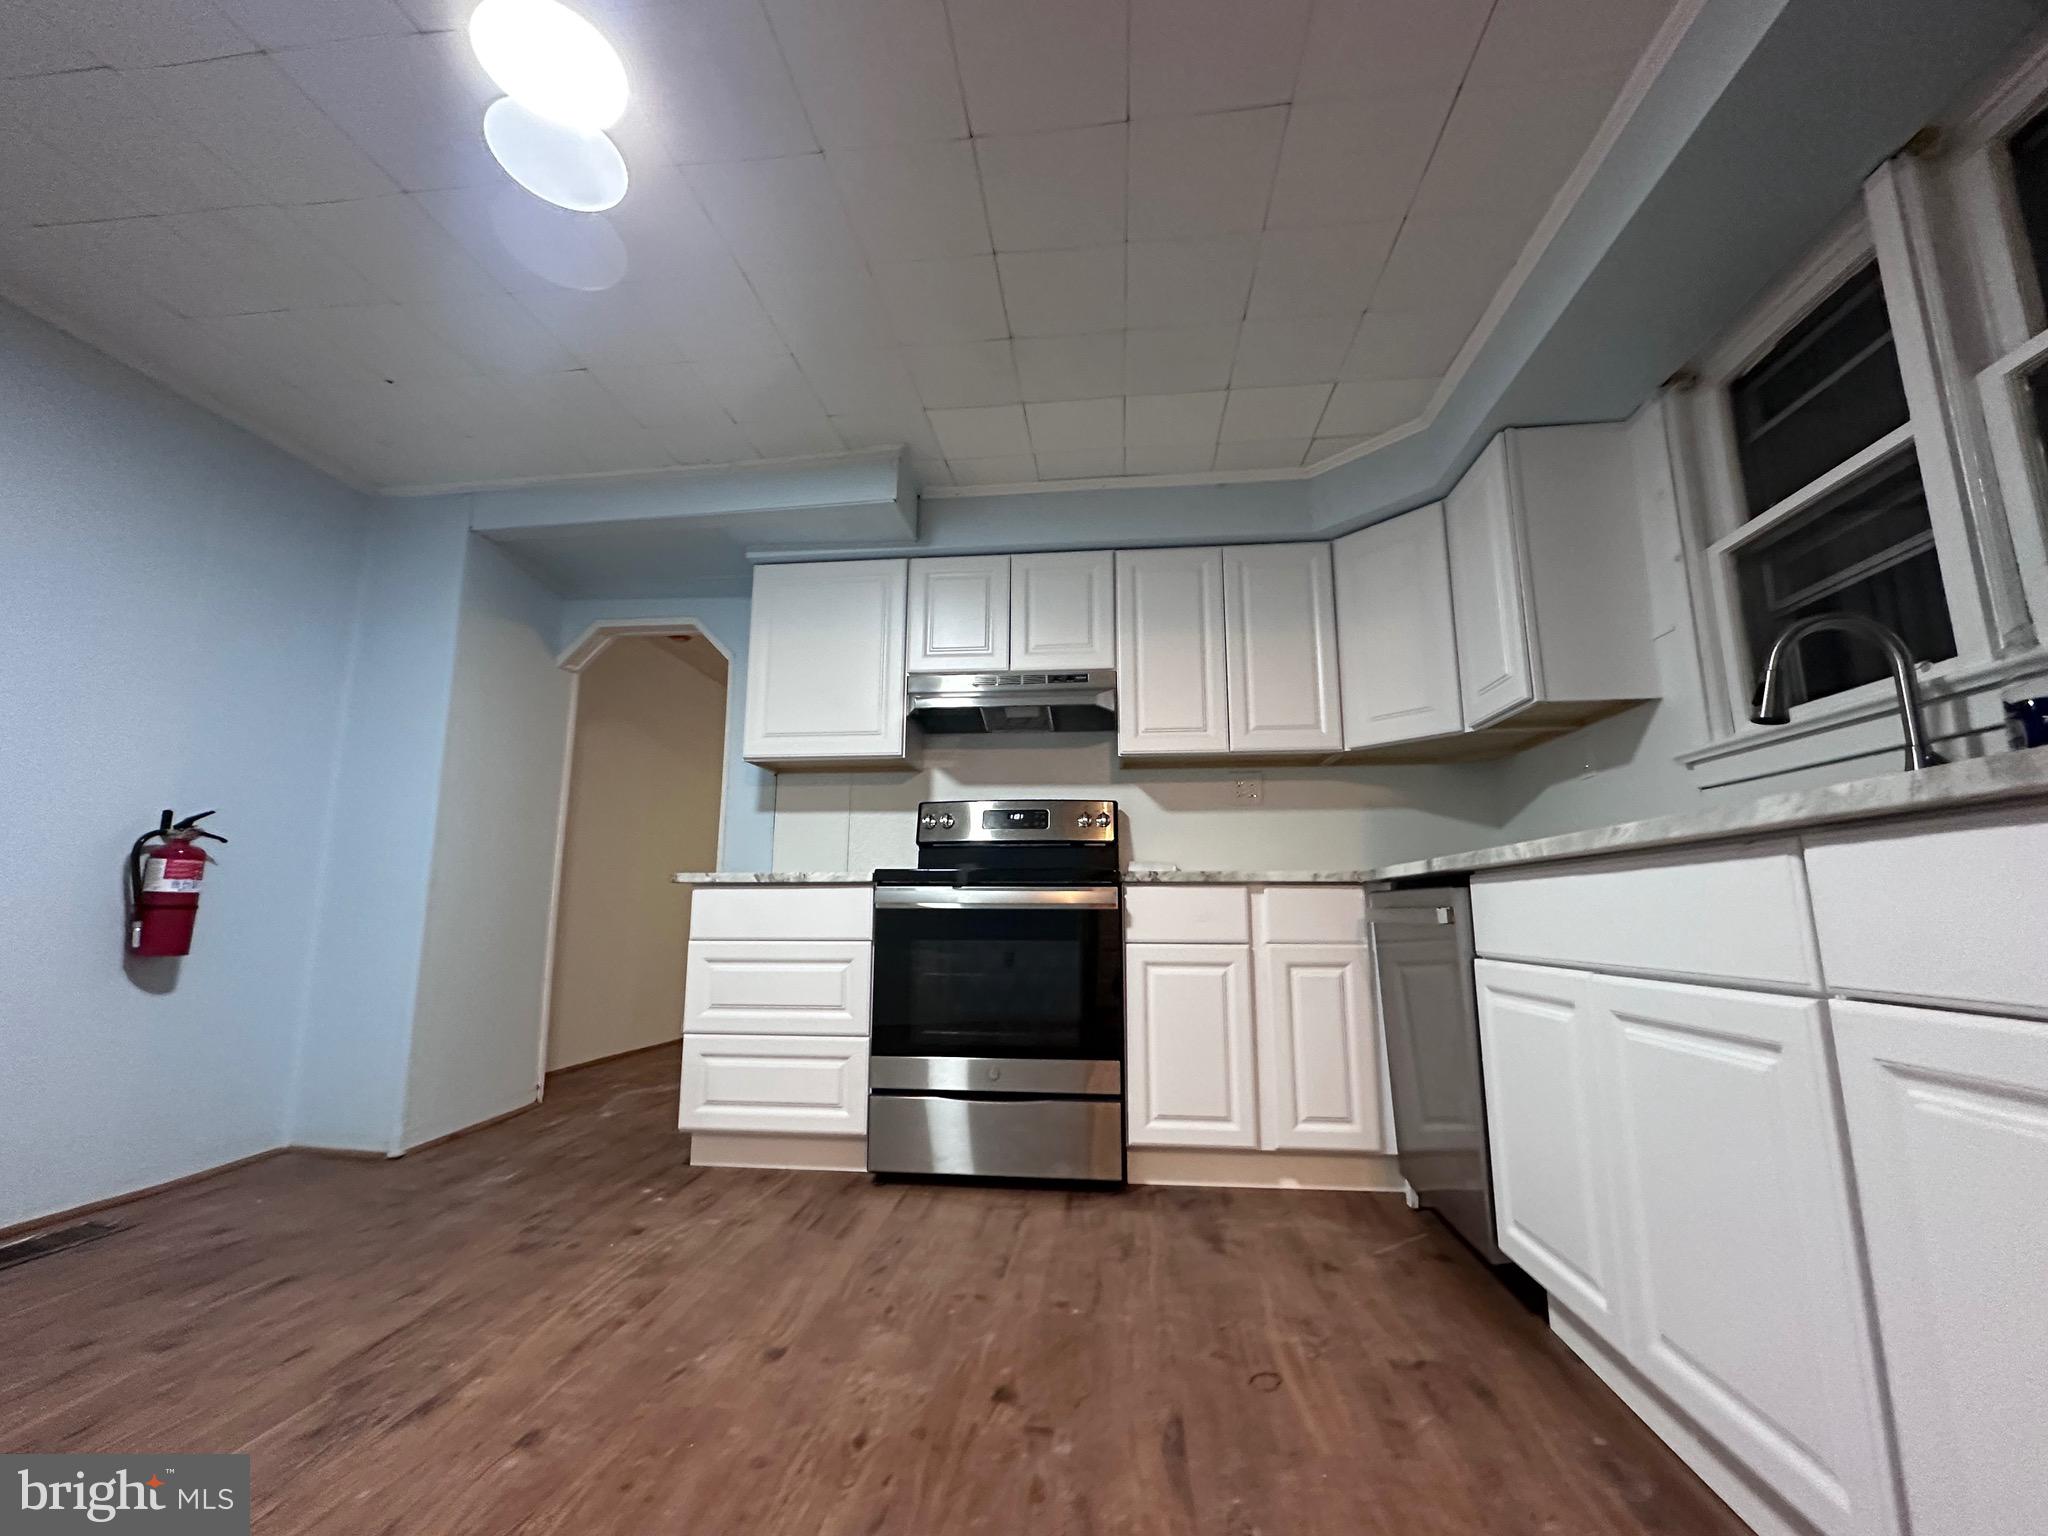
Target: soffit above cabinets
pixel 1078 238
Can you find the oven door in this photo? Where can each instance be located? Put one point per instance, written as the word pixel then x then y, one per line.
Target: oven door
pixel 1009 977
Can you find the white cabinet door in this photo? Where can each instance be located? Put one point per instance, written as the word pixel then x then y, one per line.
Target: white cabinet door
pixel 1547 1072
pixel 1739 1240
pixel 1488 606
pixel 1169 652
pixel 1062 612
pixel 825 661
pixel 796 1085
pixel 1319 1050
pixel 1280 624
pixel 1397 652
pixel 1948 1125
pixel 1188 1051
pixel 960 614
pixel 788 987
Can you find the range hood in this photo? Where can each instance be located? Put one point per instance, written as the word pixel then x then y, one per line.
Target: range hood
pixel 981 703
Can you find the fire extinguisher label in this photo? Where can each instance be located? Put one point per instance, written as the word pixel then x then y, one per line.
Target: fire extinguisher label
pixel 180 876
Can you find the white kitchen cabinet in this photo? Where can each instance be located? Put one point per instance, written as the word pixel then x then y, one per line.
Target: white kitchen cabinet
pixel 1397 651
pixel 1547 1069
pixel 1948 1127
pixel 825 662
pixel 1170 653
pixel 1280 648
pixel 795 1085
pixel 1189 1049
pixel 1319 1052
pixel 783 987
pixel 1738 1239
pixel 1063 612
pixel 1548 580
pixel 960 614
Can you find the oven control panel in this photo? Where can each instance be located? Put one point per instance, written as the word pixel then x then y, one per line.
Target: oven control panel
pixel 1017 821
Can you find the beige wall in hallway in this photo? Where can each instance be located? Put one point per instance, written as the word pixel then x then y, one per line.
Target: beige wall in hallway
pixel 643 803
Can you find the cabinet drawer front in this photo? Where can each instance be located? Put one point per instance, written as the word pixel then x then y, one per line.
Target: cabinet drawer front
pixel 801 1087
pixel 809 988
pixel 1187 914
pixel 1949 911
pixel 1729 914
pixel 783 912
pixel 1309 914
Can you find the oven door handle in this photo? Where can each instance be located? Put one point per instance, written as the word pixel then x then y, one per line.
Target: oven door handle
pixel 945 898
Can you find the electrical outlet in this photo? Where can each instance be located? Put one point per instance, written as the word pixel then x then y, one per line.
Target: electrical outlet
pixel 1251 787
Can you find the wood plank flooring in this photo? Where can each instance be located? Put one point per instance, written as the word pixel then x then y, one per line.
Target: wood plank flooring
pixel 556 1325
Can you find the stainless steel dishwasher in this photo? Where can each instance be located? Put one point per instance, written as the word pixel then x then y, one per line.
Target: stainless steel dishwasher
pixel 1422 952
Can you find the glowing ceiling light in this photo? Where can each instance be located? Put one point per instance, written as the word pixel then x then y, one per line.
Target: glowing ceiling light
pixel 551 61
pixel 579 171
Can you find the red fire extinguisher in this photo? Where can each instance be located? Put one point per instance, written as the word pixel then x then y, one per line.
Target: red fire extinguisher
pixel 163 885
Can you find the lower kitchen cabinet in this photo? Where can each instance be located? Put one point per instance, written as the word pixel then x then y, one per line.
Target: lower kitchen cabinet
pixel 1318 1050
pixel 1188 1027
pixel 802 1085
pixel 1745 1305
pixel 1948 1126
pixel 783 987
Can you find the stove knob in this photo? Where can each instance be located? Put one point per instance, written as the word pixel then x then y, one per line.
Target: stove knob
pixel 1104 819
pixel 927 820
pixel 1084 821
pixel 946 820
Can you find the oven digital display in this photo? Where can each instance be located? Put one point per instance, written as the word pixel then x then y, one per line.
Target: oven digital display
pixel 1038 820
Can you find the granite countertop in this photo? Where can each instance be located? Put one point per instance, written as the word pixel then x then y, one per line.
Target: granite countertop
pixel 1154 874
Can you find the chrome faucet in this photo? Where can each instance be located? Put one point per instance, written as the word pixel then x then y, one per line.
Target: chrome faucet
pixel 1769 707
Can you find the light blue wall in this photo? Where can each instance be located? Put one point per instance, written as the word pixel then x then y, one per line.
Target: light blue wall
pixel 175 632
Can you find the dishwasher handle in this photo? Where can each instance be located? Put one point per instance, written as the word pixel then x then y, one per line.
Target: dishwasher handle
pixel 1410 917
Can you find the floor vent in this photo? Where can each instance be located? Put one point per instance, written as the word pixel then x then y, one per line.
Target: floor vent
pixel 43 1244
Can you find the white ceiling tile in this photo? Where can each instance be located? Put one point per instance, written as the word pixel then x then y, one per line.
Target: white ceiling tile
pixel 41 185
pixel 932 471
pixel 1254 415
pixel 295 23
pixel 712 309
pixel 1173 421
pixel 413 104
pixel 774 406
pixel 1369 408
pixel 1310 272
pixel 1080 464
pixel 1211 175
pixel 231 261
pixel 821 309
pixel 664 393
pixel 1380 47
pixel 912 202
pixel 1353 160
pixel 1051 191
pixel 660 221
pixel 1290 351
pixel 616 328
pixel 1049 64
pixel 1213 55
pixel 1329 447
pixel 249 113
pixel 975 373
pixel 134 34
pixel 872 71
pixel 134 159
pixel 708 83
pixel 889 429
pixel 930 302
pixel 1178 359
pixel 1280 453
pixel 1009 469
pixel 868 382
pixel 1511 148
pixel 1071 426
pixel 982 432
pixel 494 333
pixel 381 341
pixel 1449 265
pixel 1184 459
pixel 786 209
pixel 1388 345
pixel 1070 367
pixel 1064 293
pixel 1564 40
pixel 406 256
pixel 37 39
pixel 1189 282
pixel 527 246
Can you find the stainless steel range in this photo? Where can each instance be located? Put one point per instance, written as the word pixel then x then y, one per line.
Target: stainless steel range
pixel 998 1047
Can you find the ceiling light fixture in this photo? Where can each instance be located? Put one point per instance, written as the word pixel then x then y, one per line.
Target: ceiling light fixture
pixel 551 61
pixel 579 171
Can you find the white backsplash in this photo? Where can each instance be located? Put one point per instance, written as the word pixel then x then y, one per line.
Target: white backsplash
pixel 1304 818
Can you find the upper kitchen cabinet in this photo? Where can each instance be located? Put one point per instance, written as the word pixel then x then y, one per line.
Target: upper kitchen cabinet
pixel 960 614
pixel 1062 612
pixel 1170 653
pixel 825 662
pixel 1280 647
pixel 1548 583
pixel 1396 647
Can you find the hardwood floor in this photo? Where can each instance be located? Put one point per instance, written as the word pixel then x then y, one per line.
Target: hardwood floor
pixel 555 1325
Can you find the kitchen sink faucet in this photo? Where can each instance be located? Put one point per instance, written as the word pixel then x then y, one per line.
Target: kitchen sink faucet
pixel 1769 707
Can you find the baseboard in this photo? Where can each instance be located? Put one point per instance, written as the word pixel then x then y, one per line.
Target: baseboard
pixel 599 1061
pixel 1750 1501
pixel 72 1213
pixel 466 1130
pixel 1228 1168
pixel 816 1154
